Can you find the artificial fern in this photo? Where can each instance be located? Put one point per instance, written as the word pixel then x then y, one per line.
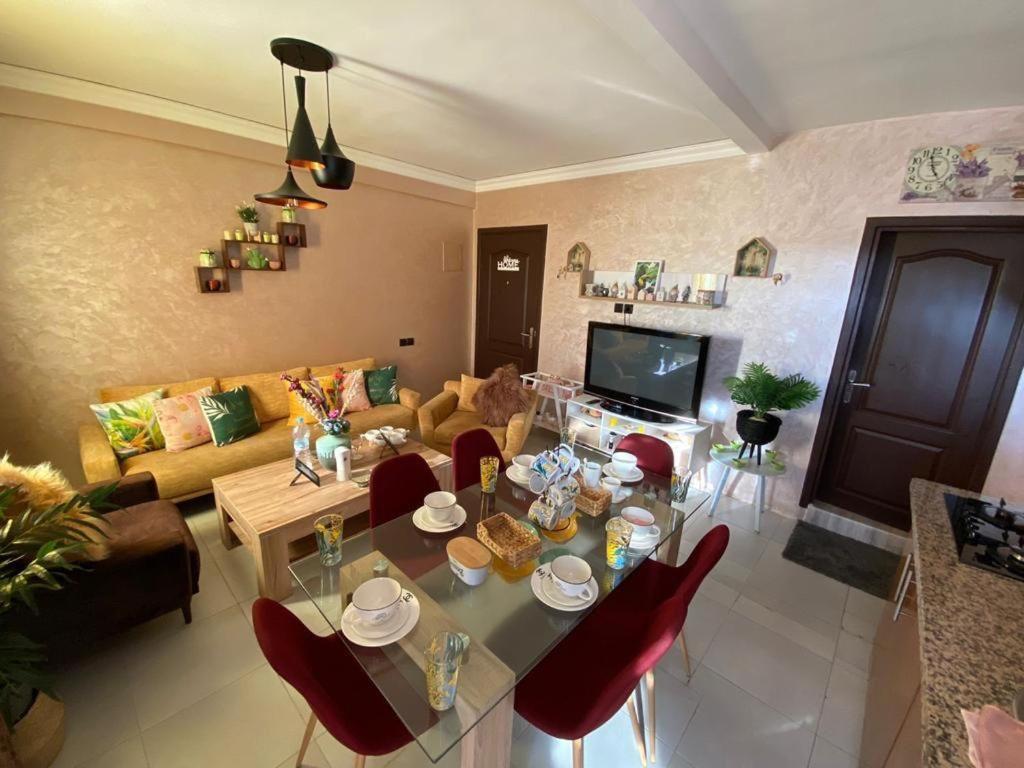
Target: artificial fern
pixel 764 392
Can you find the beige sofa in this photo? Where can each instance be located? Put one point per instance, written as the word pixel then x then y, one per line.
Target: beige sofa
pixel 184 474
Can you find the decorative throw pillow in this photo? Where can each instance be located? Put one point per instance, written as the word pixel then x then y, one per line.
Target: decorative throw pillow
pixel 467 392
pixel 182 421
pixel 501 396
pixel 382 385
pixel 131 425
pixel 353 392
pixel 229 415
pixel 295 405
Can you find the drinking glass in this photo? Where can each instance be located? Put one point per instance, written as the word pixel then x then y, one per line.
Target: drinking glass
pixel 680 486
pixel 443 659
pixel 489 474
pixel 617 534
pixel 328 538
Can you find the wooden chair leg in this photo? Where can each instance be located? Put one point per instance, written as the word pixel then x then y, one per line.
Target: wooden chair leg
pixel 577 753
pixel 686 654
pixel 637 731
pixel 360 761
pixel 650 716
pixel 305 739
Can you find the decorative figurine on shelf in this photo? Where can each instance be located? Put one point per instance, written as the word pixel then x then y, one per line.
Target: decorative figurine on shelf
pixel 659 296
pixel 255 259
pixel 614 290
pixel 207 258
pixel 684 297
pixel 673 295
pixel 288 214
pixel 631 292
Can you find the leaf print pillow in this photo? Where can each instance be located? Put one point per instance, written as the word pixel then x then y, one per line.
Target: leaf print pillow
pixel 182 421
pixel 131 425
pixel 229 415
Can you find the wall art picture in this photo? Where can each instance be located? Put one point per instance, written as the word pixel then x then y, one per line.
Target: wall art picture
pixel 647 275
pixel 754 259
pixel 577 257
pixel 990 171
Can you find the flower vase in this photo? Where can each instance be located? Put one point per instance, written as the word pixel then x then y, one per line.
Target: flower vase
pixel 325 445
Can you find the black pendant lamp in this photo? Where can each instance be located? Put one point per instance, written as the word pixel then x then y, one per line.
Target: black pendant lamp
pixel 302 149
pixel 338 171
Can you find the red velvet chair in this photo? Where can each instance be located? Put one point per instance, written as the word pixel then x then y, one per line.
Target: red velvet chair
pixel 467 450
pixel 652 454
pixel 398 485
pixel 586 679
pixel 331 681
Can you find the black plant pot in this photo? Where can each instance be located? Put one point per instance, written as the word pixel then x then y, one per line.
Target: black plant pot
pixel 757 431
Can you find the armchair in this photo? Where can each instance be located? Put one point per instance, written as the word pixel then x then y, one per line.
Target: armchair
pixel 452 412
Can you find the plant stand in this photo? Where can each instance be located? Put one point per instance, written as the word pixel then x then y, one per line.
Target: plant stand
pixel 552 389
pixel 728 461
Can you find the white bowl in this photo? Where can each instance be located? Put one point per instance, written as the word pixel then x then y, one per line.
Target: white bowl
pixel 440 506
pixel 376 600
pixel 624 464
pixel 524 462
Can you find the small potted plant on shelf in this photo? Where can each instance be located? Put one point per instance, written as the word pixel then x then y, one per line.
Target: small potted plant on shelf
pixel 323 406
pixel 764 392
pixel 255 259
pixel 250 217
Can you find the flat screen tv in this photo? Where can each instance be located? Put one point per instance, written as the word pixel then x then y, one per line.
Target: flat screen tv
pixel 644 368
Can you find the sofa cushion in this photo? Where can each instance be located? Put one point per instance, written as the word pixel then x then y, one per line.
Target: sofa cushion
pixel 382 385
pixel 381 416
pixel 463 421
pixel 229 415
pixel 268 393
pixel 353 394
pixel 191 471
pixel 174 389
pixel 182 421
pixel 296 408
pixel 349 365
pixel 131 425
pixel 467 391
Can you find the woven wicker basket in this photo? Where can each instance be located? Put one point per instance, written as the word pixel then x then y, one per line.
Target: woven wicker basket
pixel 508 539
pixel 593 501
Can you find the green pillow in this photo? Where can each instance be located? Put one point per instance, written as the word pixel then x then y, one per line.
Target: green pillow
pixel 382 385
pixel 230 415
pixel 131 425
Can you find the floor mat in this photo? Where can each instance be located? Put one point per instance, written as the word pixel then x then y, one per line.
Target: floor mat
pixel 852 562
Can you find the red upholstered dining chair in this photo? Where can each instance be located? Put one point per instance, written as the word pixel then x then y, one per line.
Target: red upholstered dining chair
pixel 652 454
pixel 586 679
pixel 467 450
pixel 332 682
pixel 398 486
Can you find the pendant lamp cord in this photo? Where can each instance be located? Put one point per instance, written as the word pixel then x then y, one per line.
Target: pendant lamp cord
pixel 327 80
pixel 284 105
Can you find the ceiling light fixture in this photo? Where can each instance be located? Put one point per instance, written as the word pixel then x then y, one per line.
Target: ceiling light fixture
pixel 338 171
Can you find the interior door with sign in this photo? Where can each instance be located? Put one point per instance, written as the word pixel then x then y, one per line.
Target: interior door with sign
pixel 509 284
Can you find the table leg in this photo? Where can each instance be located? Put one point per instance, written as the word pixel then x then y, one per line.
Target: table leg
pixel 759 507
pixel 717 495
pixel 558 414
pixel 489 743
pixel 227 536
pixel 271 554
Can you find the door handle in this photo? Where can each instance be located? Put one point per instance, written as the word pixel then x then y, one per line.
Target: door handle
pixel 530 336
pixel 851 382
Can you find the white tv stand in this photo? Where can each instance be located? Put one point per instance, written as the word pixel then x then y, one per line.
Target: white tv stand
pixel 601 429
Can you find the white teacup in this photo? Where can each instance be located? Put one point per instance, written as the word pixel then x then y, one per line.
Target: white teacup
pixel 591 473
pixel 440 506
pixel 614 486
pixel 623 464
pixel 521 465
pixel 641 520
pixel 376 600
pixel 572 575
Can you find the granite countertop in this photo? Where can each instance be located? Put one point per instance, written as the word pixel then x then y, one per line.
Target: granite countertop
pixel 971 625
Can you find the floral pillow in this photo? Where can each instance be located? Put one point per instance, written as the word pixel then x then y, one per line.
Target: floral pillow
pixel 182 421
pixel 353 392
pixel 131 425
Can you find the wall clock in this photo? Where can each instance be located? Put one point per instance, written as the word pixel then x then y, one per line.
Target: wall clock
pixel 932 169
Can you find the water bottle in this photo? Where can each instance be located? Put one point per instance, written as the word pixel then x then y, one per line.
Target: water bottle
pixel 300 437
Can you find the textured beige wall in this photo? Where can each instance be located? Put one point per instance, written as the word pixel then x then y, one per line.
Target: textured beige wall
pixel 98 236
pixel 809 198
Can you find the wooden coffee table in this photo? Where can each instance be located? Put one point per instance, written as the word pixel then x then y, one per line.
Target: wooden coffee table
pixel 258 508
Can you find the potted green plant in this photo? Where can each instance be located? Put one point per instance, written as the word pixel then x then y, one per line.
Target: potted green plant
pixel 765 392
pixel 249 215
pixel 40 545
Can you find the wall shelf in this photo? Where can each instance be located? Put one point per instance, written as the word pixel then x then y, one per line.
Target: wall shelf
pixel 228 250
pixel 204 274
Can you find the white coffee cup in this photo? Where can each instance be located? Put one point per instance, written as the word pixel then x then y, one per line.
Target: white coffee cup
pixel 591 474
pixel 614 486
pixel 440 506
pixel 641 520
pixel 521 465
pixel 623 464
pixel 376 600
pixel 572 575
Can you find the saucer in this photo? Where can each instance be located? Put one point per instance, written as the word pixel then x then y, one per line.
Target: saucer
pixel 373 632
pixel 635 477
pixel 522 482
pixel 412 615
pixel 542 575
pixel 419 519
pixel 555 595
pixel 642 543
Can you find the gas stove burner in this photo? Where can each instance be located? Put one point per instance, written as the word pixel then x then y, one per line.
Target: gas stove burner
pixel 987 535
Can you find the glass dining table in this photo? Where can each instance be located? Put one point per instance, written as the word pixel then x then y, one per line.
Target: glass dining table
pixel 510 630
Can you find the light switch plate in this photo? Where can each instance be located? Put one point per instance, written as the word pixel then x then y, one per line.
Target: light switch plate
pixel 451 257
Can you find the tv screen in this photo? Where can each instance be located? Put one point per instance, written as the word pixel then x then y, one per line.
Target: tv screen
pixel 656 370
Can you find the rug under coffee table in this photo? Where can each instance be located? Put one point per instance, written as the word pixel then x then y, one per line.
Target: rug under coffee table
pixel 258 508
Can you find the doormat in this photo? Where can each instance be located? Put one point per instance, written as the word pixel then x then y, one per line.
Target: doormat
pixel 852 562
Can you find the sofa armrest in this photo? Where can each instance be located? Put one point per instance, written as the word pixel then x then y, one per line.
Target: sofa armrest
pixel 132 489
pixel 433 412
pixel 410 398
pixel 99 462
pixel 519 427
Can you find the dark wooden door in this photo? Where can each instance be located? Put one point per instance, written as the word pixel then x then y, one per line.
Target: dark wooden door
pixel 510 280
pixel 931 367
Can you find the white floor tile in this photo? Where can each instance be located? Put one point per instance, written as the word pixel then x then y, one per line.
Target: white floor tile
pixel 866 606
pixel 775 580
pixel 313 758
pixel 128 754
pixel 214 594
pixel 703 620
pixel 340 756
pixel 842 716
pixel 249 724
pixel 784 529
pixel 821 640
pixel 826 755
pixel 854 651
pixel 183 668
pixel 767 665
pixel 610 746
pixel 675 704
pixel 732 729
pixel 238 569
pixel 717 591
pixel 201 517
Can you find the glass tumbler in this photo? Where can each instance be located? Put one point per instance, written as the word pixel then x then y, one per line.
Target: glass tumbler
pixel 618 533
pixel 328 538
pixel 489 474
pixel 443 659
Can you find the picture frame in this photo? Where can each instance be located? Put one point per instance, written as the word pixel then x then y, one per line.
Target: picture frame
pixel 647 275
pixel 754 259
pixel 577 257
pixel 305 470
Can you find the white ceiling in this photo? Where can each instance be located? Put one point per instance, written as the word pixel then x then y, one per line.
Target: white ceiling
pixel 485 88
